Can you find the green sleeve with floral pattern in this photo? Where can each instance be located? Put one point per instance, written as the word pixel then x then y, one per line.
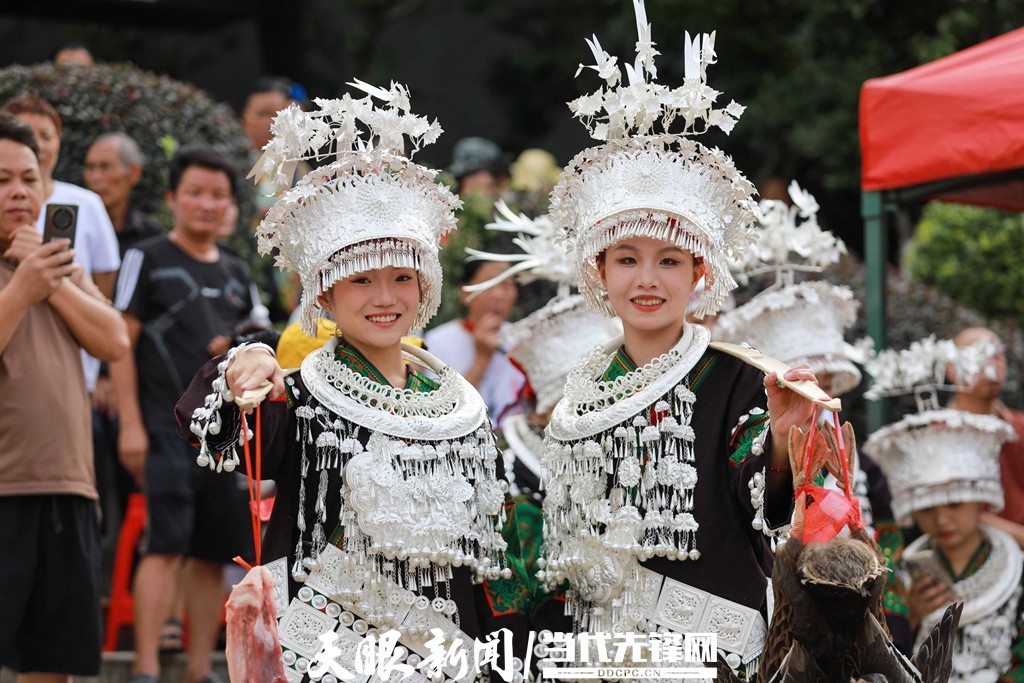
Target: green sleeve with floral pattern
pixel 516 593
pixel 890 540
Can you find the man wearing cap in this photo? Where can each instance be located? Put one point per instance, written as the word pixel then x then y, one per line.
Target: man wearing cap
pixel 479 168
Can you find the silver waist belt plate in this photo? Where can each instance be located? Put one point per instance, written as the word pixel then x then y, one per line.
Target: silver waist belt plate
pixel 685 609
pixel 328 602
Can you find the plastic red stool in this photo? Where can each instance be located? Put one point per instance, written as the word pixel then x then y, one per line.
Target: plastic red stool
pixel 120 608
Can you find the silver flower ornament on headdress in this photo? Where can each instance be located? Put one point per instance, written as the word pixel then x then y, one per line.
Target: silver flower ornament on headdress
pixel 777 321
pixel 922 368
pixel 369 209
pixel 648 182
pixel 789 239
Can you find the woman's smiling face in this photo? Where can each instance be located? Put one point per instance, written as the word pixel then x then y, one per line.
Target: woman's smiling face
pixel 649 283
pixel 376 308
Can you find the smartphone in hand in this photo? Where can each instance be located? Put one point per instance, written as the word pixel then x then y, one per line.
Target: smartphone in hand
pixel 924 565
pixel 61 222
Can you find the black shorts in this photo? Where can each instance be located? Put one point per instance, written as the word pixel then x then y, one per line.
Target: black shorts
pixel 191 510
pixel 50 584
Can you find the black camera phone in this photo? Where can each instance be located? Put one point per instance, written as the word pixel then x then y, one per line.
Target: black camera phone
pixel 61 221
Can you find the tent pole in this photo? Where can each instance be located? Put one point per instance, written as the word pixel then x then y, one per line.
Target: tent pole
pixel 875 258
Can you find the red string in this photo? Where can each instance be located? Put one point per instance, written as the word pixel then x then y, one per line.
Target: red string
pixel 257 539
pixel 810 445
pixel 253 476
pixel 824 516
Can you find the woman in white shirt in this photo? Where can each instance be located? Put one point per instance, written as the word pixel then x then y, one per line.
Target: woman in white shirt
pixel 470 344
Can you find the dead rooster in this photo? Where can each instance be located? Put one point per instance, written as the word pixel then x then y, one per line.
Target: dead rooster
pixel 828 625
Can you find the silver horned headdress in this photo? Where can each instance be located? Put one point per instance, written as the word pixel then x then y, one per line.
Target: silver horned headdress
pixel 936 456
pixel 646 181
pixel 777 320
pixel 369 209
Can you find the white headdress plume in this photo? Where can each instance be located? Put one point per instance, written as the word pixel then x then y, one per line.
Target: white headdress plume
pixel 542 256
pixel 637 107
pixel 778 320
pixel 647 181
pixel 371 208
pixel 547 343
pixel 936 456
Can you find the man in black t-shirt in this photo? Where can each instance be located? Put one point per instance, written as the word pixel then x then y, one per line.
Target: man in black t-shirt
pixel 181 295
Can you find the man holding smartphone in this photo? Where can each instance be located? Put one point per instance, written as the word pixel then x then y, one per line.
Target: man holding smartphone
pixel 97 242
pixel 49 546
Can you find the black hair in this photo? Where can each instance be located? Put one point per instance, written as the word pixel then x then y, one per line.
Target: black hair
pixel 272 84
pixel 470 269
pixel 281 86
pixel 11 128
pixel 203 157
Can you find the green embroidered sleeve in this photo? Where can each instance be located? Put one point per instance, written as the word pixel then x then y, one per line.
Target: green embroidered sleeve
pixel 529 518
pixel 745 436
pixel 890 540
pixel 516 593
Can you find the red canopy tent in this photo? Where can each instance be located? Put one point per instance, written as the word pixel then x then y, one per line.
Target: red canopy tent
pixel 951 130
pixel 960 118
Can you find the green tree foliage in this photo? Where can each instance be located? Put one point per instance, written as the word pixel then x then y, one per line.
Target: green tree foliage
pixel 798 66
pixel 161 114
pixel 974 255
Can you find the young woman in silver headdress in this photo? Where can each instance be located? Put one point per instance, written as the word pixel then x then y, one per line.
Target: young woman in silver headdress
pixel 666 461
pixel 391 510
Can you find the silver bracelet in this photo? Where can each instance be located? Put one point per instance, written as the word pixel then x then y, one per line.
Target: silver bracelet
pixel 257 345
pixel 221 383
pixel 206 420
